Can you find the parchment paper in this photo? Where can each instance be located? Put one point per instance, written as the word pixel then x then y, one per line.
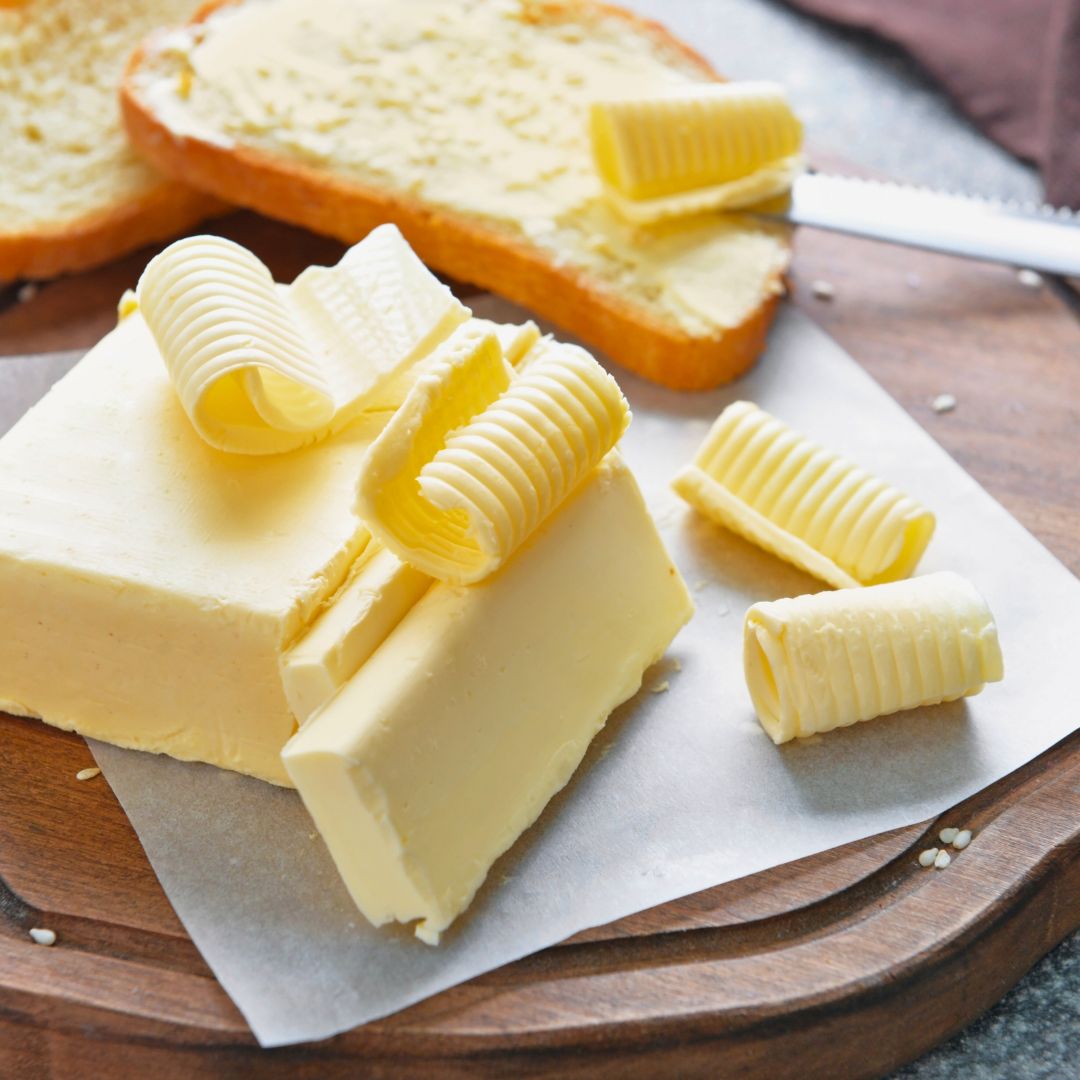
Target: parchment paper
pixel 682 790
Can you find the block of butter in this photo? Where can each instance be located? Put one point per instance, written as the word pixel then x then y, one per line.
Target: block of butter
pixel 149 583
pixel 479 705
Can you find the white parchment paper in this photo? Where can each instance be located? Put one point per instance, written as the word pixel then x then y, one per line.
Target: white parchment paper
pixel 682 790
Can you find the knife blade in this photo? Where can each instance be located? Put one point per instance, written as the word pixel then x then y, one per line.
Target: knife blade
pixel 1040 238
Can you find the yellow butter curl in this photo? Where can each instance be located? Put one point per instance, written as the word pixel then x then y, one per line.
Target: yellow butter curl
pixel 814 663
pixel 262 370
pixel 477 457
pixel 719 146
pixel 802 502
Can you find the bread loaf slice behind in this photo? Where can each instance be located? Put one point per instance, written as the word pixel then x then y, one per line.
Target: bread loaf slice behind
pixel 465 122
pixel 73 192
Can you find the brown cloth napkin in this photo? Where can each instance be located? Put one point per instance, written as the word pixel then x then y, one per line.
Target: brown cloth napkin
pixel 1012 66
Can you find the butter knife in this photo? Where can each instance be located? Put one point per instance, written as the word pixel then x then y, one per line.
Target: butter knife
pixel 1036 237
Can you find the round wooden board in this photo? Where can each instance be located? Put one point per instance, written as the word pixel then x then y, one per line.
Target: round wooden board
pixel 848 963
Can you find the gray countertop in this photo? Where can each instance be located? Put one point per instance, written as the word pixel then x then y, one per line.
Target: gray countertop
pixel 868 102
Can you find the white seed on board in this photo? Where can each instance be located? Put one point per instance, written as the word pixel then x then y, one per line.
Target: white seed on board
pixel 26 292
pixel 928 856
pixel 947 836
pixel 943 403
pixel 943 859
pixel 43 937
pixel 1031 279
pixel 822 290
pixel 87 774
pixel 962 839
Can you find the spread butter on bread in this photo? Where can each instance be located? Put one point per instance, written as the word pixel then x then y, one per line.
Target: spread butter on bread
pixel 467 125
pixel 73 191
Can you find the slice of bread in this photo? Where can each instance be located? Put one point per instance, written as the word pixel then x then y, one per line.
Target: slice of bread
pixel 73 192
pixel 465 122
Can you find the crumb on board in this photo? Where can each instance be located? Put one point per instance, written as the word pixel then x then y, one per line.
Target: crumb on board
pixel 1030 279
pixel 26 292
pixel 661 687
pixel 822 290
pixel 927 857
pixel 943 859
pixel 87 774
pixel 42 936
pixel 943 403
pixel 676 664
pixel 948 835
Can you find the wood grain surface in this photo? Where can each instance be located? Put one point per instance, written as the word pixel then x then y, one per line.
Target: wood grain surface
pixel 848 963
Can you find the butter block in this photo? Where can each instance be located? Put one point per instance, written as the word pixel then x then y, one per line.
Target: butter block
pixel 808 505
pixel 827 660
pixel 150 584
pixel 379 592
pixel 478 707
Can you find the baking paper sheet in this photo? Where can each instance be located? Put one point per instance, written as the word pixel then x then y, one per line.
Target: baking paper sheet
pixel 682 790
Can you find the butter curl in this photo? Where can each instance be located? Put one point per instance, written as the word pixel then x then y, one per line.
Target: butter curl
pixel 713 146
pixel 818 662
pixel 804 503
pixel 477 457
pixel 262 369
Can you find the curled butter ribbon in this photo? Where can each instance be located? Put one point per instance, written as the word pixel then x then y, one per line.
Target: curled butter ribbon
pixel 262 369
pixel 818 662
pixel 808 505
pixel 477 457
pixel 710 146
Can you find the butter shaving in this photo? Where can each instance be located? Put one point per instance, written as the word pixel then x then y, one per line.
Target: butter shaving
pixel 818 662
pixel 804 503
pixel 696 148
pixel 263 370
pixel 478 457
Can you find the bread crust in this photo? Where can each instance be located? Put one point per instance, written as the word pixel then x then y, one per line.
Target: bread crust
pixel 461 247
pixel 165 210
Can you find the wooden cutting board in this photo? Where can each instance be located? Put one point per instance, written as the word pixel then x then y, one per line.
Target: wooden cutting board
pixel 848 963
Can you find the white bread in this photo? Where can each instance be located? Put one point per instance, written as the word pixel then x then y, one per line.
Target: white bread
pixel 73 192
pixel 466 124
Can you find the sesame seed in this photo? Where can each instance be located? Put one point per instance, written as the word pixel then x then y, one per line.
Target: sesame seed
pixel 943 859
pixel 927 857
pixel 947 836
pixel 43 937
pixel 661 688
pixel 962 839
pixel 26 292
pixel 943 403
pixel 822 290
pixel 87 774
pixel 1030 279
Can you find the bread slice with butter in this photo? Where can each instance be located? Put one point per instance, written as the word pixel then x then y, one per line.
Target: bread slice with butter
pixel 466 124
pixel 73 191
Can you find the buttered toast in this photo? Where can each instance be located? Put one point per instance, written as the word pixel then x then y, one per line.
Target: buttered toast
pixel 73 192
pixel 466 124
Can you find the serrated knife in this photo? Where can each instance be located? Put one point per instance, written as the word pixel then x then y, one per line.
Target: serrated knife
pixel 1040 238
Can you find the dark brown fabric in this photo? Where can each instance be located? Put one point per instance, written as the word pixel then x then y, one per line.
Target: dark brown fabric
pixel 1013 66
